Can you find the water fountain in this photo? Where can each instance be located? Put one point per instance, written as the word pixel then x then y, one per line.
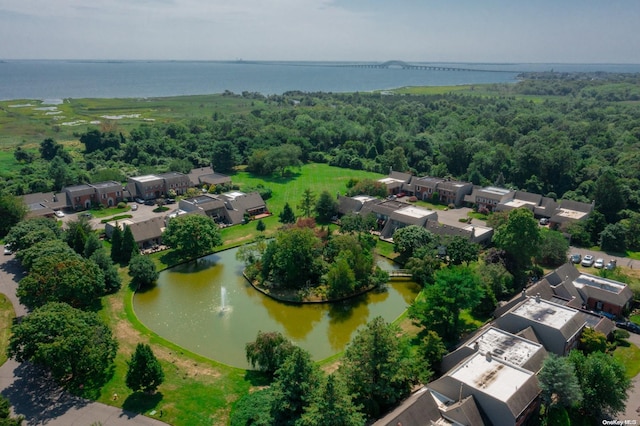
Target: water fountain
pixel 223 300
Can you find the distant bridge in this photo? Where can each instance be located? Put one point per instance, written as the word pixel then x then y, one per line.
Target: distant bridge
pixel 407 66
pixel 400 273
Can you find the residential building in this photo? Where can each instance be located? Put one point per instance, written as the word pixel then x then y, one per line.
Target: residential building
pixel 146 233
pixel 227 209
pixel 501 344
pixel 557 327
pixel 405 216
pixel 150 187
pixel 44 204
pixel 474 233
pixel 569 211
pixel 489 197
pixel 505 393
pixel 398 182
pixel 206 175
pixel 447 190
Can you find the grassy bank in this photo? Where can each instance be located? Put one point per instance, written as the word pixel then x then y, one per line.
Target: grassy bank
pixel 7 314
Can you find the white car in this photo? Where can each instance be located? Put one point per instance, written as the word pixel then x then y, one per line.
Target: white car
pixel 599 263
pixel 59 214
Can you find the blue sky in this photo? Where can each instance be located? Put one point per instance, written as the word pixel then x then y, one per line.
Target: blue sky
pixel 565 31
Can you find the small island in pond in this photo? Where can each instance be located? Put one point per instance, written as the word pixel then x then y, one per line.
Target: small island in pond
pixel 304 264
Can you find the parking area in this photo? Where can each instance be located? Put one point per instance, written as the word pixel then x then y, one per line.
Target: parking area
pixel 140 213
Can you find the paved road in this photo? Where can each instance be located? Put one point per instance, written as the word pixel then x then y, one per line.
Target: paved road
pixel 36 397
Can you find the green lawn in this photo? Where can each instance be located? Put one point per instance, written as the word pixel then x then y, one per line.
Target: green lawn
pixel 630 357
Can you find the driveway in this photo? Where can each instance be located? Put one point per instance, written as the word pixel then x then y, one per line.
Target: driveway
pixel 36 397
pixel 622 261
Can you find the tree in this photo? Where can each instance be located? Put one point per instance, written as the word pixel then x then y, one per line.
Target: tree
pixel 455 288
pixel 260 226
pixel 294 387
pixel 370 187
pixel 410 238
pixel 326 206
pixel 603 382
pixel 12 211
pixel 558 382
pixel 609 195
pixel 268 351
pixel 192 235
pixel 31 231
pixel 519 237
pixel 253 409
pixel 5 414
pixel 353 222
pixel 429 354
pixel 129 247
pixel 293 259
pixel 341 279
pixel 287 215
pixel 332 406
pixel 116 244
pixel 75 346
pixel 283 156
pixel 55 248
pixel 423 266
pixel 553 248
pixel 143 271
pixel 307 203
pixel 224 156
pixel 375 366
pixel 70 279
pixel 61 173
pixel 592 340
pixel 91 245
pixel 496 277
pixel 49 149
pixel 613 238
pixel 145 372
pixel 461 250
pixel 112 281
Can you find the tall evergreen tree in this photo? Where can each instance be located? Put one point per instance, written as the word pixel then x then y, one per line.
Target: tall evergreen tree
pixel 376 366
pixel 307 204
pixel 332 406
pixel 91 245
pixel 293 388
pixel 116 244
pixel 145 372
pixel 559 383
pixel 287 215
pixel 129 245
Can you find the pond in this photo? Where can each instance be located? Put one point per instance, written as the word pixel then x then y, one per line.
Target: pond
pixel 209 308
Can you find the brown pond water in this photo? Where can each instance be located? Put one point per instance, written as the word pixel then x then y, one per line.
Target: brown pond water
pixel 210 309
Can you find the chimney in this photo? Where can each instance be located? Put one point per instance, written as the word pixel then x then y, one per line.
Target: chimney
pixel 524 293
pixel 488 356
pixel 476 346
pixel 537 297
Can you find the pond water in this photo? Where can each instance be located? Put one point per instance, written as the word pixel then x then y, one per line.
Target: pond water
pixel 209 308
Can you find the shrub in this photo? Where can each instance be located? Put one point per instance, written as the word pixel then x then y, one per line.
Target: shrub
pixel 122 205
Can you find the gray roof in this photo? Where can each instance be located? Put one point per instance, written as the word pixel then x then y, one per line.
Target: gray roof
pixel 418 409
pixel 195 174
pixel 147 230
pixel 79 190
pixel 214 179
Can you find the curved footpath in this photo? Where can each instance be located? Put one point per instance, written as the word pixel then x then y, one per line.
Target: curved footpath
pixel 36 397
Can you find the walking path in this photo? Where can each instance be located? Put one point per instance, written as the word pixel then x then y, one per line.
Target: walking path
pixel 36 397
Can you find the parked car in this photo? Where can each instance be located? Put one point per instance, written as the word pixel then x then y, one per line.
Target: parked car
pixel 170 201
pixel 85 215
pixel 599 263
pixel 587 260
pixel 134 207
pixel 139 201
pixel 575 258
pixel 629 326
pixel 544 221
pixel 150 203
pixel 611 265
pixel 7 251
pixel 58 213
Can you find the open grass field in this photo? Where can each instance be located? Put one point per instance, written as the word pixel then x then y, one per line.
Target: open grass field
pixel 630 357
pixel 288 189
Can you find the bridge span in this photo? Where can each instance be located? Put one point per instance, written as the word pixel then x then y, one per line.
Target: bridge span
pixel 429 67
